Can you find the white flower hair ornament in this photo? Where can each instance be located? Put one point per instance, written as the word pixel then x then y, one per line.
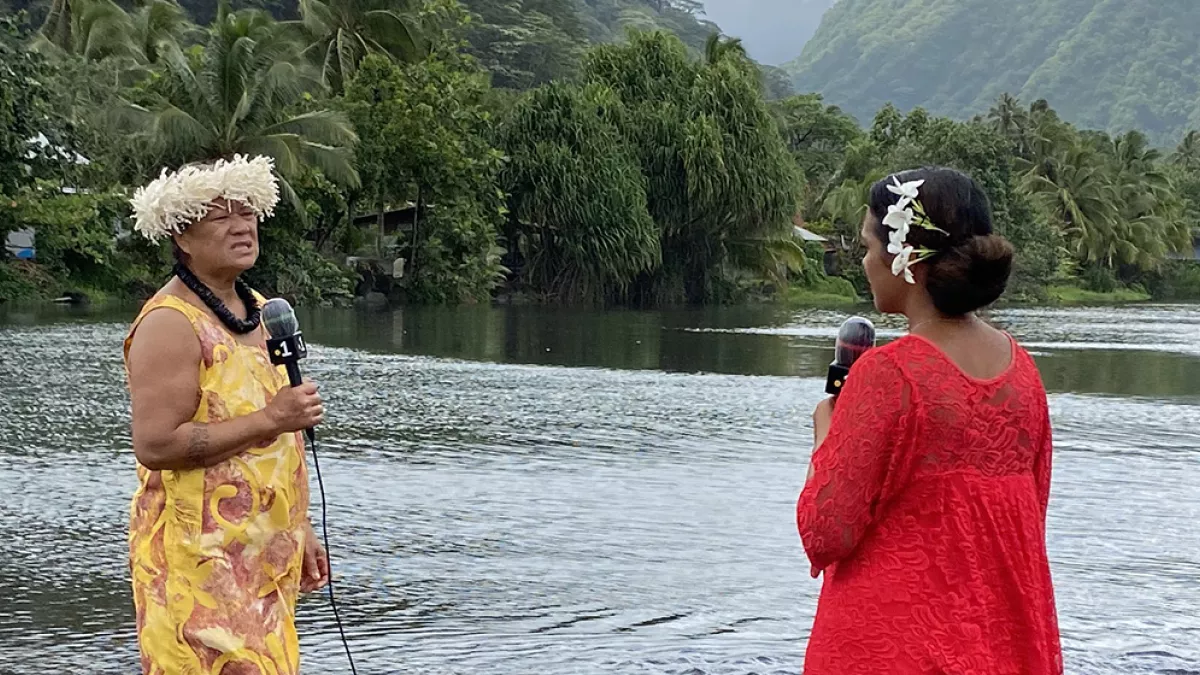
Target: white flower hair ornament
pixel 900 218
pixel 177 199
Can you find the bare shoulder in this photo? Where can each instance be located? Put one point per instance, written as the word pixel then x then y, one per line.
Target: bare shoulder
pixel 979 350
pixel 1022 357
pixel 1002 345
pixel 164 338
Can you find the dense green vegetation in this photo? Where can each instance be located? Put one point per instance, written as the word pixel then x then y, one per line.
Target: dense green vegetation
pixel 1083 208
pixel 650 170
pixel 1106 64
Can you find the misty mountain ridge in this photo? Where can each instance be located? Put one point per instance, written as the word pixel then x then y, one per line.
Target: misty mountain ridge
pixel 1103 64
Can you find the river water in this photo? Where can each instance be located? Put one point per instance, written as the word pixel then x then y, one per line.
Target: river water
pixel 530 490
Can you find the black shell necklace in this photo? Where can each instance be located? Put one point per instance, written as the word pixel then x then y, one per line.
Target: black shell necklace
pixel 239 326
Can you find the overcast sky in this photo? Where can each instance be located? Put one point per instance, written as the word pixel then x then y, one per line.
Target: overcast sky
pixel 774 31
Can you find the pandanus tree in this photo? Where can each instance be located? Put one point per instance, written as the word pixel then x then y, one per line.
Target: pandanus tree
pixel 719 176
pixel 578 199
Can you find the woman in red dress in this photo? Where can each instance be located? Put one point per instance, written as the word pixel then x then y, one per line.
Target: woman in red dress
pixel 925 505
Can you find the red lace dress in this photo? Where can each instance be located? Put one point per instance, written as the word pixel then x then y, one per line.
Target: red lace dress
pixel 926 512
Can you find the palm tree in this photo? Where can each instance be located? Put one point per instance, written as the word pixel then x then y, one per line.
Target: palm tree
pixel 339 33
pixel 1043 142
pixel 1009 119
pixel 93 29
pixel 125 45
pixel 158 24
pixel 100 29
pixel 769 257
pixel 1133 152
pixel 238 96
pixel 1187 154
pixel 1151 210
pixel 1075 192
pixel 847 203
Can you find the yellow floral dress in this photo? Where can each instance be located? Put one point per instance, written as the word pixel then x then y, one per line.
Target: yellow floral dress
pixel 216 553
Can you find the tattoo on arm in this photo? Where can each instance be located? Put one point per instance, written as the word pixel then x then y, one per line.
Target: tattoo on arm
pixel 198 446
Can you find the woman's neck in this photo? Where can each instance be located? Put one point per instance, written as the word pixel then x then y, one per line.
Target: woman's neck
pixel 932 319
pixel 222 285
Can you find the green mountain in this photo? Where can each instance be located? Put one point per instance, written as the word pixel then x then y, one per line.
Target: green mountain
pixel 606 20
pixel 1103 64
pixel 526 43
pixel 774 30
pixel 597 20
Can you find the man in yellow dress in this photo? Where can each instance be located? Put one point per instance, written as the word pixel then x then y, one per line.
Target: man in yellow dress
pixel 220 542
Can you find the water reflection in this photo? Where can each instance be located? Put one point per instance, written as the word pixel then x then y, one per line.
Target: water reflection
pixel 563 337
pixel 1144 352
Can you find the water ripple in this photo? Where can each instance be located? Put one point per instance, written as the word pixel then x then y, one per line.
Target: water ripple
pixel 514 518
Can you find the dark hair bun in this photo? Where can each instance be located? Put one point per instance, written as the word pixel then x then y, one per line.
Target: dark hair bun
pixel 971 275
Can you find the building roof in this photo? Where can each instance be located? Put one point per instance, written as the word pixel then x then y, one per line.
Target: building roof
pixel 63 154
pixel 807 235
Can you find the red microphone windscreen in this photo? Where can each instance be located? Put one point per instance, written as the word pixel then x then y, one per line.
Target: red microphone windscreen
pixel 855 337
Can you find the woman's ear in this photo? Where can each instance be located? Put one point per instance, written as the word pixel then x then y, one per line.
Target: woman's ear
pixel 921 273
pixel 180 245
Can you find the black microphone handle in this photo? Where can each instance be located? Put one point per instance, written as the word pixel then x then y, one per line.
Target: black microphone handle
pixel 293 371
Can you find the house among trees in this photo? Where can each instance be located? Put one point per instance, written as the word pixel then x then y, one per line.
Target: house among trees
pixel 1192 253
pixel 19 244
pixel 805 235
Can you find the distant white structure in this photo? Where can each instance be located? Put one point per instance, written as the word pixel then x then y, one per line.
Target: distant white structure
pixel 808 235
pixel 1192 253
pixel 42 142
pixel 829 258
pixel 19 244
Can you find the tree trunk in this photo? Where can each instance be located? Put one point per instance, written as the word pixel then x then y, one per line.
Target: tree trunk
pixel 412 257
pixel 379 232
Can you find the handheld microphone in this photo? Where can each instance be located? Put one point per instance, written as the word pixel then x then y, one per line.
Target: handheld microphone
pixel 286 344
pixel 855 337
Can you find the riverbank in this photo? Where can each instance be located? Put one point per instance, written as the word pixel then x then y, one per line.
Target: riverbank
pixel 794 298
pixel 1056 296
pixel 26 283
pixel 1074 295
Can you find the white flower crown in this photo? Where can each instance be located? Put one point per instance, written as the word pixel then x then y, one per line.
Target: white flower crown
pixel 901 216
pixel 175 200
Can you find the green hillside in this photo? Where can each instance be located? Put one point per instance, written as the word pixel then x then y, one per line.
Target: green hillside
pixel 526 43
pixel 523 43
pixel 1103 64
pixel 599 19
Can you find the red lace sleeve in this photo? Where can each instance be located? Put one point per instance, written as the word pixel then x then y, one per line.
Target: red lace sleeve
pixel 1041 466
pixel 871 421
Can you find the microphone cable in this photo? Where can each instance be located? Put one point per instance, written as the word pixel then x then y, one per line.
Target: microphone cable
pixel 328 555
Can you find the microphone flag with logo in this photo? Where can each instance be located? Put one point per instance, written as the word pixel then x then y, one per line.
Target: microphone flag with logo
pixel 286 344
